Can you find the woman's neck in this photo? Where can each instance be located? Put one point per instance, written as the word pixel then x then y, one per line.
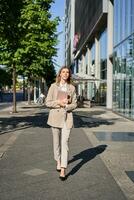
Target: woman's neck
pixel 63 82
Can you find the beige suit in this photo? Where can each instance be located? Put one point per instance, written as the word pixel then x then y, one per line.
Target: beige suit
pixel 56 114
pixel 60 124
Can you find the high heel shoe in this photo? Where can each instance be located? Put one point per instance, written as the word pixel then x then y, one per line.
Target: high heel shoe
pixel 58 170
pixel 62 178
pixel 62 174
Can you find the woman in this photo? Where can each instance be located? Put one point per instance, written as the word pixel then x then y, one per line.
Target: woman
pixel 61 100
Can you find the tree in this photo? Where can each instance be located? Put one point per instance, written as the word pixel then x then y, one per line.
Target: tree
pixel 10 11
pixel 27 38
pixel 38 40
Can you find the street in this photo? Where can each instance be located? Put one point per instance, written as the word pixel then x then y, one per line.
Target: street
pixel 28 171
pixel 75 57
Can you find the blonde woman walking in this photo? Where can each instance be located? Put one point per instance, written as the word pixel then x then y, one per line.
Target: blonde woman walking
pixel 61 100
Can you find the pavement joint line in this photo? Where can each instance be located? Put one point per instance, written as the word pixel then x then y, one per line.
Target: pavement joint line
pixel 16 129
pixel 1 154
pixel 8 144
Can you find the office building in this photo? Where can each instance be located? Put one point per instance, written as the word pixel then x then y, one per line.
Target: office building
pixel 104 53
pixel 69 31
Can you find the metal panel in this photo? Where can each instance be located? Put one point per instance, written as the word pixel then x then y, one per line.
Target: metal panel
pixel 87 13
pixel 105 6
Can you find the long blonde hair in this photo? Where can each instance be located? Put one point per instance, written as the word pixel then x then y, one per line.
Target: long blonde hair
pixel 58 78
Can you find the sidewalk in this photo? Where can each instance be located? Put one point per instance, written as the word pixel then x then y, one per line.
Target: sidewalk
pixel 10 122
pixel 107 128
pixel 98 164
pixel 22 106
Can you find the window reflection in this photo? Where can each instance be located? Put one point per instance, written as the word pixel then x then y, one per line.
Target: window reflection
pixel 128 17
pixel 123 59
pixel 123 78
pixel 123 19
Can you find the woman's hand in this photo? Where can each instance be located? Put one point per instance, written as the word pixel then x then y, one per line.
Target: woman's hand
pixel 63 102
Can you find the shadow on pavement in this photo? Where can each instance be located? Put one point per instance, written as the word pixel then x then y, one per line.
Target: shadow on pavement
pixel 86 119
pixel 81 119
pixel 85 156
pixel 13 123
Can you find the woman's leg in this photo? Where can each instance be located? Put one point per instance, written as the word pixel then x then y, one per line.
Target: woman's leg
pixel 57 144
pixel 64 146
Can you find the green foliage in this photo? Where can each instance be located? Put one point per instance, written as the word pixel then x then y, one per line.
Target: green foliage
pixel 27 36
pixel 38 38
pixel 10 11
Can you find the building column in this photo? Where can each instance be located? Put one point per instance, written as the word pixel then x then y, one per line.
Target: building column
pixel 89 93
pixel 89 61
pixel 97 61
pixel 83 72
pixel 109 52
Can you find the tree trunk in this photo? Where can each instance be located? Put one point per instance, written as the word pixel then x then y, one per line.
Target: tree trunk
pixel 24 89
pixel 39 87
pixel 29 92
pixel 14 89
pixel 43 85
pixel 35 96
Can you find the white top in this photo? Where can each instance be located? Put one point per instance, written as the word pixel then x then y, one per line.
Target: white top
pixel 63 87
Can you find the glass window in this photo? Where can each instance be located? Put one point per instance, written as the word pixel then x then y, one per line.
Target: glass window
pixel 115 59
pixel 123 19
pixel 128 18
pixel 103 55
pixel 86 62
pixel 123 78
pixel 115 22
pixel 132 14
pixel 118 20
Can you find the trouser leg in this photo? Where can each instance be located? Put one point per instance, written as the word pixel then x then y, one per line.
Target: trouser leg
pixel 56 143
pixel 64 146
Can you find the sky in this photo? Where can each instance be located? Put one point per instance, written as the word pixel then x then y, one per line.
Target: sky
pixel 57 10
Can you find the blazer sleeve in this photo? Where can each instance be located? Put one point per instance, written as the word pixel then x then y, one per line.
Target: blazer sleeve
pixel 50 102
pixel 73 103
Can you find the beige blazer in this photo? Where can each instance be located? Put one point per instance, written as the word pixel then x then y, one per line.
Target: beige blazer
pixel 56 116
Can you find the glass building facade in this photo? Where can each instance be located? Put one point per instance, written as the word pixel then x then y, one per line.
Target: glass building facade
pixel 123 58
pixel 91 60
pixel 105 53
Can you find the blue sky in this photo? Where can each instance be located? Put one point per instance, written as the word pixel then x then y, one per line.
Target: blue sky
pixel 57 9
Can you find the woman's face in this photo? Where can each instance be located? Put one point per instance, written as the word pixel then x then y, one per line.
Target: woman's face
pixel 64 74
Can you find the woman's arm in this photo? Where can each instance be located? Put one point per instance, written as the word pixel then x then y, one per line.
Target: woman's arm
pixel 50 102
pixel 73 103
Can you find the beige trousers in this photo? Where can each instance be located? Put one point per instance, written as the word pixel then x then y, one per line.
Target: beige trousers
pixel 60 144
